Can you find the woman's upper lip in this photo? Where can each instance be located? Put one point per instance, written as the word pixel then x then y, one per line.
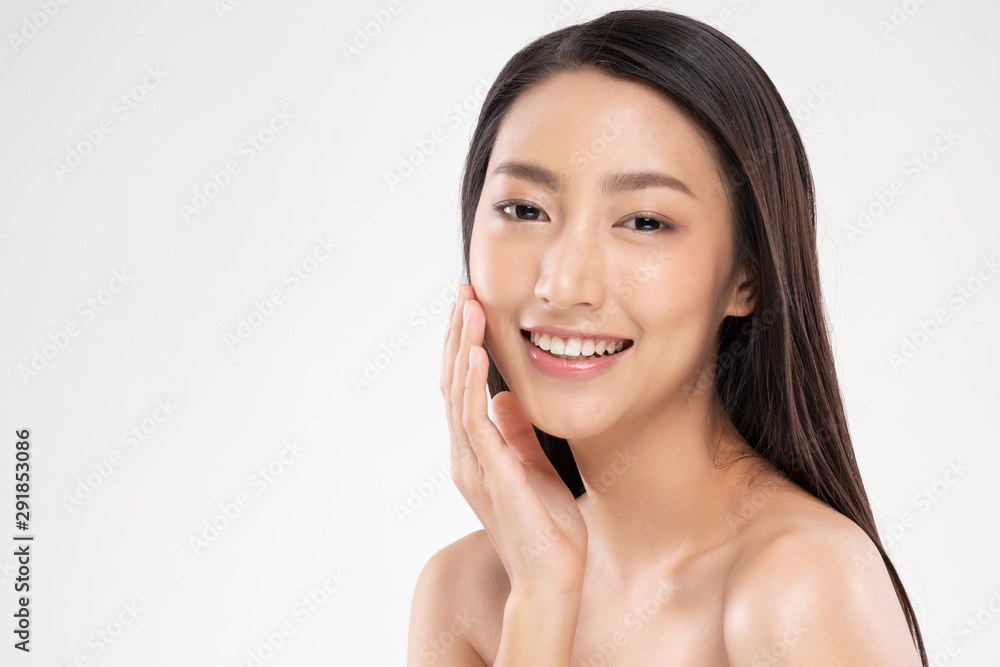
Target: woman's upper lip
pixel 566 334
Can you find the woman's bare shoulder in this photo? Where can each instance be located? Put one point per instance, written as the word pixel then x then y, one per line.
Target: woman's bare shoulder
pixel 458 603
pixel 808 585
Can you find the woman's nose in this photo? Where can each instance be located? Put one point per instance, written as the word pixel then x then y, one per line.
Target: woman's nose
pixel 572 270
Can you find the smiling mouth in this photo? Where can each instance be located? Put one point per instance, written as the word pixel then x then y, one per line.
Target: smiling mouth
pixel 579 348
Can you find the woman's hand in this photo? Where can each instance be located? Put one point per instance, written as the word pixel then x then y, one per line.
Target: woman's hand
pixel 502 472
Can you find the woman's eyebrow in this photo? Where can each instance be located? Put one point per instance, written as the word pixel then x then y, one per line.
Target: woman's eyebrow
pixel 528 171
pixel 637 180
pixel 612 183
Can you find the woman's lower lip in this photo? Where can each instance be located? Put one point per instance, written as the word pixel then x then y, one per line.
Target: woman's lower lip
pixel 563 368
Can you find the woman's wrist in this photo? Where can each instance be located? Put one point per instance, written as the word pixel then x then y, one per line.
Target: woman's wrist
pixel 539 628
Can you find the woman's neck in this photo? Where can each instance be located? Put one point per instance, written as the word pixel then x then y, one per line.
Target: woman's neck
pixel 658 488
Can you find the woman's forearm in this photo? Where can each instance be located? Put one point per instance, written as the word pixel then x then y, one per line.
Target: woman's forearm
pixel 538 630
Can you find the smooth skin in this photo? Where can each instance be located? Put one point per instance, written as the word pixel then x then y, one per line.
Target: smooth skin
pixel 687 548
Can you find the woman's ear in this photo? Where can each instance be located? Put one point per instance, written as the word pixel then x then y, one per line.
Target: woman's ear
pixel 744 298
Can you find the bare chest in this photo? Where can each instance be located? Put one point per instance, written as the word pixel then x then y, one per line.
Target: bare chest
pixel 667 622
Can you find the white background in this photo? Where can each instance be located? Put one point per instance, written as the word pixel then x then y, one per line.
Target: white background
pixel 365 453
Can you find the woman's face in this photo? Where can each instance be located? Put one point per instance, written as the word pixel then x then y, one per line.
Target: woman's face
pixel 602 214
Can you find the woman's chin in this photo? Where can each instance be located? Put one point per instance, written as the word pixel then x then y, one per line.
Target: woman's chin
pixel 566 415
pixel 569 423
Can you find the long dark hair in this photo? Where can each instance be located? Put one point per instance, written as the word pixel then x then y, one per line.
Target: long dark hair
pixel 774 368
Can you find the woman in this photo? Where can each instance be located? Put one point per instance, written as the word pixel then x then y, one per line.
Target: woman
pixel 668 477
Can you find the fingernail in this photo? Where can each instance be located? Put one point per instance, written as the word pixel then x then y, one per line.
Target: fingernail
pixel 465 311
pixel 451 311
pixel 472 357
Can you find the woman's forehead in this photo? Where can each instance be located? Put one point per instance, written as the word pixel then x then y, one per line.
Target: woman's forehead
pixel 583 125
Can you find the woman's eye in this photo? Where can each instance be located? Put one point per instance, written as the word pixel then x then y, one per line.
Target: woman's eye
pixel 644 224
pixel 521 211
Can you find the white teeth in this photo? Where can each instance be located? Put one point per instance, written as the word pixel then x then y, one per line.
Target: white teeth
pixel 575 348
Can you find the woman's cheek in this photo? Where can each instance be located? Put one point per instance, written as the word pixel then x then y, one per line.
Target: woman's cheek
pixel 493 285
pixel 484 258
pixel 501 261
pixel 481 256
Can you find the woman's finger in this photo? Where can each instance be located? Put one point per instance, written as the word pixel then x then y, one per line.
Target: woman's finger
pixel 462 456
pixel 484 437
pixel 443 384
pixel 461 365
pixel 519 434
pixel 515 504
pixel 451 338
pixel 486 441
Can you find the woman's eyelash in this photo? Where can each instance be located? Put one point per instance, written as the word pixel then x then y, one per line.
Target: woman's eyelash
pixel 664 225
pixel 513 203
pixel 502 206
